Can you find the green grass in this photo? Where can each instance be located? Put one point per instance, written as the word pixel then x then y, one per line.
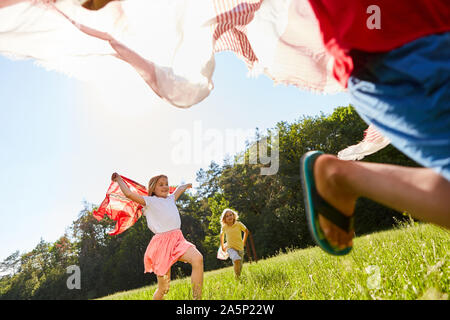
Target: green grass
pixel 409 262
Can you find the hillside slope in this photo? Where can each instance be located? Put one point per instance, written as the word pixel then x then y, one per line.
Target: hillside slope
pixel 410 262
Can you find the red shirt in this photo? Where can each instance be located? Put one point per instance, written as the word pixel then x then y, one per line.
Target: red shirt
pixel 348 24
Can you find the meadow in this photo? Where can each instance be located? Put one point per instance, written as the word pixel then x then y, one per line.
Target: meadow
pixel 406 263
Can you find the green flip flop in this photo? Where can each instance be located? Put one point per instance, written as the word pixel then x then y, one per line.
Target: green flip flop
pixel 314 204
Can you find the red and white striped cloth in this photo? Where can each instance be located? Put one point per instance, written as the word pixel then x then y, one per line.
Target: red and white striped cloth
pixel 230 32
pixel 121 209
pixel 373 141
pixel 280 38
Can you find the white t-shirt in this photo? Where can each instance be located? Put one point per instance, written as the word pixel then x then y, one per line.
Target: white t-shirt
pixel 161 213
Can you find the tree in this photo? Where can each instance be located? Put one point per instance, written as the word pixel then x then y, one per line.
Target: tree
pixel 11 264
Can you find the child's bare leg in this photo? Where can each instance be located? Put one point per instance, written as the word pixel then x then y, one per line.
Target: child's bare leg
pixel 195 258
pixel 237 268
pixel 419 191
pixel 163 286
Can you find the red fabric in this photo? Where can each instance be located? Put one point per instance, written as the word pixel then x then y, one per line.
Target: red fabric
pixel 343 25
pixel 121 209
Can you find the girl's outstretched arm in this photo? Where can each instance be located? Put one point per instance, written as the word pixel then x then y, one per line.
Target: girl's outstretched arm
pixel 126 191
pixel 224 249
pixel 180 189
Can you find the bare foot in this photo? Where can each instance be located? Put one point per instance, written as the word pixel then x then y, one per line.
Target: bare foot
pixel 328 173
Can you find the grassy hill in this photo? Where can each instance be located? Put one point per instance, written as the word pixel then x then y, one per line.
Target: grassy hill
pixel 409 262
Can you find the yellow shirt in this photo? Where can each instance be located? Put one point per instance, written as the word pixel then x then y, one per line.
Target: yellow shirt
pixel 234 236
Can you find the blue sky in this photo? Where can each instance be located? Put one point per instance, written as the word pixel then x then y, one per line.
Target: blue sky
pixel 61 139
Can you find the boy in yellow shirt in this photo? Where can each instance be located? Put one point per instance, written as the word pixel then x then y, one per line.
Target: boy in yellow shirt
pixel 235 243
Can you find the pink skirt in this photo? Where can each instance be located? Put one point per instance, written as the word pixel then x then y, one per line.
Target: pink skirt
pixel 164 250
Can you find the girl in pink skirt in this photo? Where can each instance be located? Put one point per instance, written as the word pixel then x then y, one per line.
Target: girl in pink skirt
pixel 168 244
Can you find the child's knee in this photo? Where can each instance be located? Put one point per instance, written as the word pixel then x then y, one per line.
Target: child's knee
pixel 331 167
pixel 198 260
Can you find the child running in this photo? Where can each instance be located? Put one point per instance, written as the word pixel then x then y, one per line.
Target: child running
pixel 232 228
pixel 168 245
pixel 398 78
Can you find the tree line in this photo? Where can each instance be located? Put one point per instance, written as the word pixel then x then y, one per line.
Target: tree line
pixel 271 206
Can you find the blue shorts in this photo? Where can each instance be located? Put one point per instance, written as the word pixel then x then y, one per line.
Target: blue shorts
pixel 235 254
pixel 405 93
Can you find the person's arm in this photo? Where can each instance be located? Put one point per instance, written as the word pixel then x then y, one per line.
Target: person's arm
pixel 222 236
pixel 126 191
pixel 246 232
pixel 180 189
pixel 95 4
